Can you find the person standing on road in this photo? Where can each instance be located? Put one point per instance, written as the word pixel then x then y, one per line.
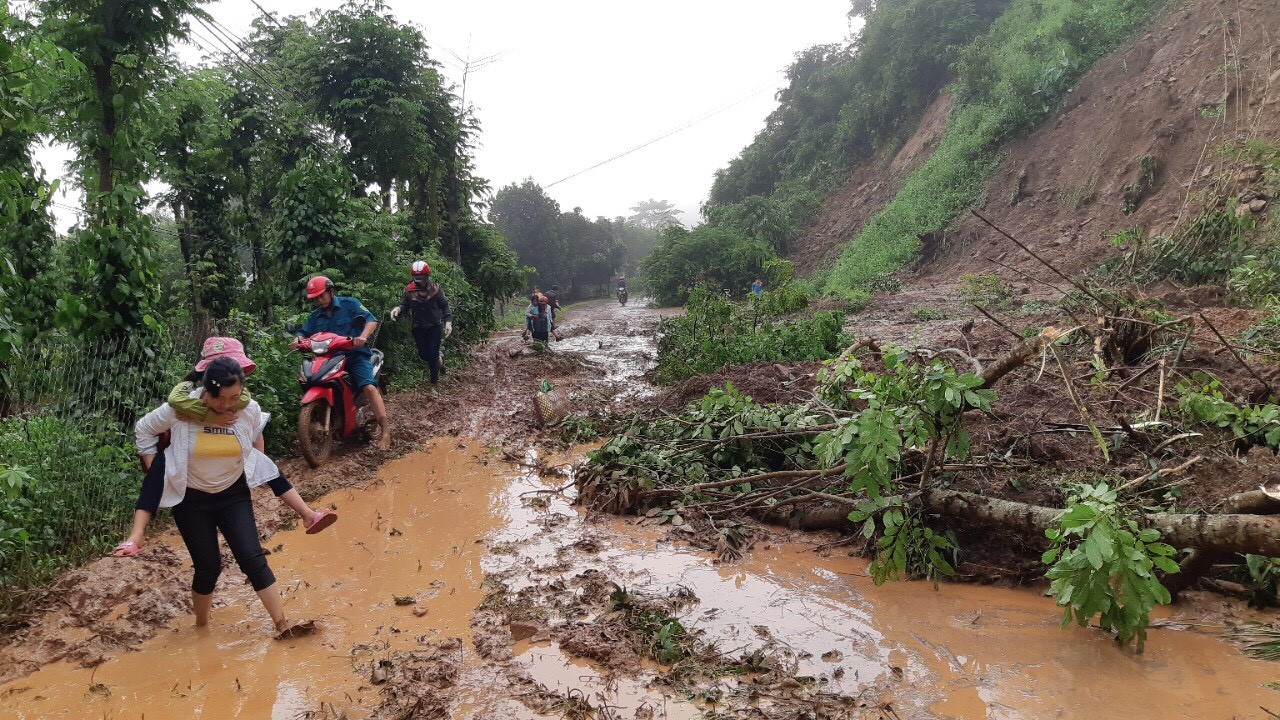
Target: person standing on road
pixel 208 470
pixel 538 318
pixel 430 313
pixel 347 316
pixel 553 300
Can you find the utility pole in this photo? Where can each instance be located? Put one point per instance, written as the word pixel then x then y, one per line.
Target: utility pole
pixel 454 204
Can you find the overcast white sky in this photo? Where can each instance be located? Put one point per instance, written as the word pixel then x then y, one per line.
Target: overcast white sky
pixel 580 81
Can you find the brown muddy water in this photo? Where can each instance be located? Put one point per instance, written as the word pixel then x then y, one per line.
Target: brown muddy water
pixel 406 564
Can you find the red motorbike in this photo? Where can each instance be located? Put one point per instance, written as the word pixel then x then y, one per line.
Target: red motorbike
pixel 330 408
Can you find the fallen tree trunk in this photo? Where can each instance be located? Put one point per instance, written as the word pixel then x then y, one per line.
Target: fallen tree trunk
pixel 1224 533
pixel 1012 360
pixel 1199 561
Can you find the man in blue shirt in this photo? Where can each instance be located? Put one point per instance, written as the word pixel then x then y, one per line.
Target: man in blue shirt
pixel 347 316
pixel 757 287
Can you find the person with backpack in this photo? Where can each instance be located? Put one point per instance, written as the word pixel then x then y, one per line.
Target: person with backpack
pixel 432 319
pixel 538 320
pixel 553 301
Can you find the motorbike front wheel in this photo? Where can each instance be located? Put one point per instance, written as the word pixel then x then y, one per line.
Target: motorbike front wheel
pixel 315 442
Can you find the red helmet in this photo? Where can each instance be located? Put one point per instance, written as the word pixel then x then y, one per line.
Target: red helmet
pixel 420 267
pixel 317 286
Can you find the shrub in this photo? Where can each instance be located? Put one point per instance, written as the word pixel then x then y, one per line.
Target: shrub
pixel 705 255
pixel 716 331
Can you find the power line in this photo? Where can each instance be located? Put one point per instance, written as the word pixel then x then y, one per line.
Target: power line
pixel 750 94
pixel 268 15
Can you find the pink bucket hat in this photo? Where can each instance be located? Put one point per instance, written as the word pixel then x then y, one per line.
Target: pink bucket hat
pixel 216 347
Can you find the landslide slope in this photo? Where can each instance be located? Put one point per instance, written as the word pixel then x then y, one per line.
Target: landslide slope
pixel 1137 143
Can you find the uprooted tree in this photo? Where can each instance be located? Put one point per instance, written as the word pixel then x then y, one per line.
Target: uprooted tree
pixel 870 452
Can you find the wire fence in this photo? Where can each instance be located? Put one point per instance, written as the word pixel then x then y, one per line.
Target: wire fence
pixel 68 471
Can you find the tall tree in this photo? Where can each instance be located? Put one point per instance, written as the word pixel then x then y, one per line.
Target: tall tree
pixel 117 44
pixel 368 75
pixel 530 221
pixel 655 214
pixel 26 231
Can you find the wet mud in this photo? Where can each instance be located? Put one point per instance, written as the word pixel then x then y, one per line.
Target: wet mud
pixel 462 582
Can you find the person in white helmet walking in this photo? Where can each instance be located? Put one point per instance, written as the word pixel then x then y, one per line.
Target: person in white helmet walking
pixel 429 310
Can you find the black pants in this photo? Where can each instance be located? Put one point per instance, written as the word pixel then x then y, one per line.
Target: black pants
pixel 428 341
pixel 201 515
pixel 153 486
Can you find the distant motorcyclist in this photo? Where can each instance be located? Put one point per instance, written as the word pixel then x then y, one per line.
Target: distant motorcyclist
pixel 432 318
pixel 343 315
pixel 622 289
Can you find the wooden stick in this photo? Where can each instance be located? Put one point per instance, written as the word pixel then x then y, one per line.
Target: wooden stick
pixel 999 324
pixel 1028 276
pixel 1044 262
pixel 1246 365
pixel 1132 484
pixel 1084 410
pixel 1160 391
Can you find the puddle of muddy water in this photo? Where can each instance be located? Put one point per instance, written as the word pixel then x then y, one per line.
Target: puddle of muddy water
pixel 620 343
pixel 416 535
pixel 952 652
pixel 574 678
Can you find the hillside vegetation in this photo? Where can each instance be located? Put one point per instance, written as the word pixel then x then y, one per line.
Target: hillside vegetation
pixel 1006 64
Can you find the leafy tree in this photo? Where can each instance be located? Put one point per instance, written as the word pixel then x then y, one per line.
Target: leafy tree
pixel 365 72
pixel 704 255
pixel 117 45
pixel 26 231
pixel 530 221
pixel 320 227
pixel 655 214
pixel 639 241
pixel 593 253
pixel 191 143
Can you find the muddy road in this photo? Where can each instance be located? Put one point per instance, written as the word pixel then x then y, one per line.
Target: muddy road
pixel 460 583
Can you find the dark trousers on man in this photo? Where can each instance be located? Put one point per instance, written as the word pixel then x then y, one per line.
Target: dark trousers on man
pixel 428 342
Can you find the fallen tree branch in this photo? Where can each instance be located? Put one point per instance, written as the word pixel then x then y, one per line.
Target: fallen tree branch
pixel 1012 360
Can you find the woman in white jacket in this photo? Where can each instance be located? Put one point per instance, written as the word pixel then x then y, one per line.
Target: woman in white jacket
pixel 208 472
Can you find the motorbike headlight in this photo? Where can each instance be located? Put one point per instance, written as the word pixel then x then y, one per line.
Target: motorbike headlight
pixel 320 346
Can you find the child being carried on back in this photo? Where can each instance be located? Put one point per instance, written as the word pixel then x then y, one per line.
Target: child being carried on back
pixel 185 400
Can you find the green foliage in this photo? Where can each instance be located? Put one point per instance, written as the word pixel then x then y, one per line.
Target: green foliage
pixel 1263 580
pixel 715 331
pixel 877 417
pixel 840 107
pixel 783 294
pixel 59 508
pixel 985 290
pixel 927 314
pixel 1200 398
pixel 1103 563
pixel 1206 250
pixel 705 255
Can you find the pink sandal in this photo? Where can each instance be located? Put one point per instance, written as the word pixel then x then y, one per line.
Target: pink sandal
pixel 320 521
pixel 128 548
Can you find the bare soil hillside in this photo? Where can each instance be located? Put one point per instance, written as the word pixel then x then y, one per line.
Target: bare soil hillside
pixel 1203 76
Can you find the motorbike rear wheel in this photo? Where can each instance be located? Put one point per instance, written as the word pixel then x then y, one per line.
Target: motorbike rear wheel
pixel 315 443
